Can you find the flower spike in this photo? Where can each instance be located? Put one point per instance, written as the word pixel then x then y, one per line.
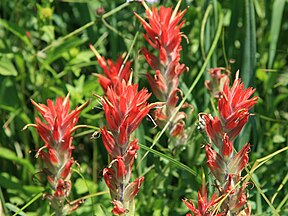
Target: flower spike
pixel 162 32
pixel 56 131
pixel 233 106
pixel 124 108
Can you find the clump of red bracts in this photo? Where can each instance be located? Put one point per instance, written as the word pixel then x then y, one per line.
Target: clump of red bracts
pixel 163 34
pixel 124 109
pixel 114 72
pixel 205 207
pixel 233 106
pixel 56 132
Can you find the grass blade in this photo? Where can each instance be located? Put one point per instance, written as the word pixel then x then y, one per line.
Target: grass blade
pixel 277 14
pixel 29 203
pixel 10 155
pixel 172 160
pixel 249 59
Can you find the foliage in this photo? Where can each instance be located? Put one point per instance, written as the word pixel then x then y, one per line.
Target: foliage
pixel 44 53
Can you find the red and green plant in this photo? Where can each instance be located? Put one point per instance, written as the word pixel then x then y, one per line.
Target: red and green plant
pixel 56 132
pixel 225 165
pixel 164 47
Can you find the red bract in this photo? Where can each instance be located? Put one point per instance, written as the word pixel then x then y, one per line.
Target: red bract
pixel 240 199
pixel 234 105
pixel 56 131
pixel 118 208
pixel 205 207
pixel 213 128
pixel 163 34
pixel 227 148
pixel 132 189
pixel 125 111
pixel 215 163
pixel 114 72
pixel 236 98
pixel 240 160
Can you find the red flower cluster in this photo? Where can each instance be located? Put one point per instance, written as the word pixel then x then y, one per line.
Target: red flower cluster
pixel 163 34
pixel 124 109
pixel 205 207
pixel 114 72
pixel 57 152
pixel 124 112
pixel 233 105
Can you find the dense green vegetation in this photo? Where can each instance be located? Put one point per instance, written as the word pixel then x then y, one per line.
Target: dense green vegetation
pixel 44 53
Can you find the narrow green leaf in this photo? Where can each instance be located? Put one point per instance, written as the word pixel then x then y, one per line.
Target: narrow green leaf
pixel 202 32
pixel 277 14
pixel 20 211
pixel 172 160
pixel 14 208
pixel 10 155
pixel 249 59
pixel 82 28
pixel 260 8
pixel 62 48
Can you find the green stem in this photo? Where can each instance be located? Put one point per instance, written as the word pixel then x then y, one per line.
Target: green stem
pixel 29 203
pixel 2 201
pixel 204 21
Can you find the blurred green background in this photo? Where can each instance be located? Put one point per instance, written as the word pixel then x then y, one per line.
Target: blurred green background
pixel 44 53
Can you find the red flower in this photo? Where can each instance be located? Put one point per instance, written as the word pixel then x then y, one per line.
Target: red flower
pixel 234 105
pixel 114 72
pixel 163 34
pixel 205 207
pixel 227 148
pixel 56 131
pixel 125 111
